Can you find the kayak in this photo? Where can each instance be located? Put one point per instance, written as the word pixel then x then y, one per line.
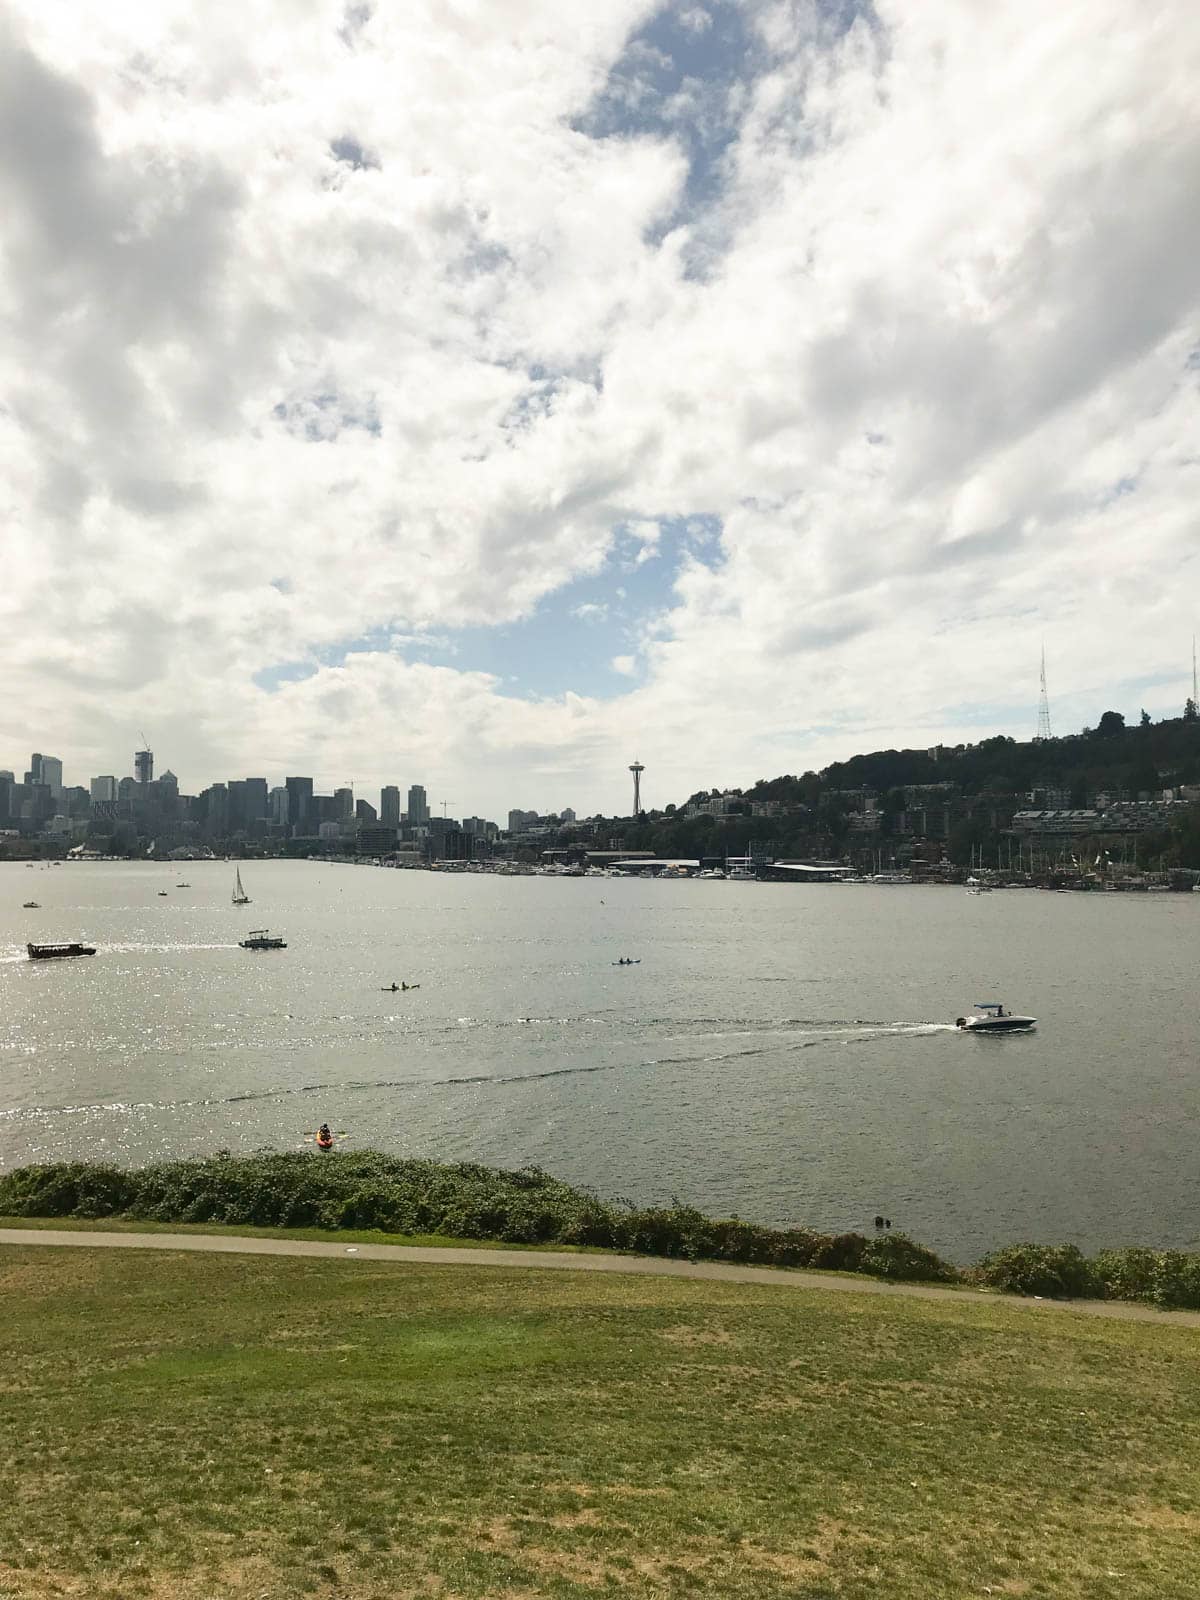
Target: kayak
pixel 324 1144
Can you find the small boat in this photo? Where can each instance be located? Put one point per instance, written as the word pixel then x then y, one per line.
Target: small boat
pixel 625 961
pixel 30 905
pixel 261 939
pixel 991 1017
pixel 240 897
pixel 183 886
pixel 54 952
pixel 162 894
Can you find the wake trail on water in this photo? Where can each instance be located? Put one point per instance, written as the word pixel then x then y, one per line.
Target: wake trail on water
pixel 877 1032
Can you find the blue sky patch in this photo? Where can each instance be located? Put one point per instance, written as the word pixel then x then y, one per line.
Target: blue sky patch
pixel 572 639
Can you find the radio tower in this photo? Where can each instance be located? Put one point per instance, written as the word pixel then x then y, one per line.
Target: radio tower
pixel 1043 732
pixel 1195 680
pixel 637 769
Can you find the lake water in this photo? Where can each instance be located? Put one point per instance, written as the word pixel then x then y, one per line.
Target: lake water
pixel 785 1052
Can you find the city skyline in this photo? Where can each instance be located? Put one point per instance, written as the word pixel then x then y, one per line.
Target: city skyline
pixel 750 383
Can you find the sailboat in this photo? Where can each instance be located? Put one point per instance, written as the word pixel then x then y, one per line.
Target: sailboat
pixel 240 897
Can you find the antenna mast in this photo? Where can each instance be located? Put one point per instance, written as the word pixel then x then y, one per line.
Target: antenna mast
pixel 1195 684
pixel 1043 732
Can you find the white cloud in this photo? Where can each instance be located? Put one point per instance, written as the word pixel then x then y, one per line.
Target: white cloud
pixel 626 665
pixel 929 356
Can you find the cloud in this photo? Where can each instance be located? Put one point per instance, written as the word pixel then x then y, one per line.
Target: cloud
pixel 364 324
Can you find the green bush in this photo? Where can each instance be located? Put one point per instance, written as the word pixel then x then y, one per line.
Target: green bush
pixel 369 1190
pixel 1056 1271
pixel 1127 1274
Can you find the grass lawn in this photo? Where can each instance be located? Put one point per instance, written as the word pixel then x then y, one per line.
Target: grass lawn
pixel 198 1425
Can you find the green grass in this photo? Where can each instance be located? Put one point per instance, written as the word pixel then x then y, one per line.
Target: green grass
pixel 190 1426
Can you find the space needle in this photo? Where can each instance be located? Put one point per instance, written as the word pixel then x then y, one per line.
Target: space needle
pixel 637 769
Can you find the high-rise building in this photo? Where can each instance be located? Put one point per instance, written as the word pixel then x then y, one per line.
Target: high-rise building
pixel 389 806
pixel 34 775
pixel 236 788
pixel 567 814
pixel 418 806
pixel 103 790
pixel 52 775
pixel 520 820
pixel 257 799
pixel 365 814
pixel 344 804
pixel 300 805
pixel 143 765
pixel 279 806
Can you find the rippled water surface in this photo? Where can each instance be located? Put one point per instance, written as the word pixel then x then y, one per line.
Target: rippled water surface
pixel 785 1052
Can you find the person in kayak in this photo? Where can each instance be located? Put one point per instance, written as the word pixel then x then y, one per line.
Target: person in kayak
pixel 325 1137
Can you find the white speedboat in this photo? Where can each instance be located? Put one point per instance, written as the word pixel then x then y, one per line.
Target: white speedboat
pixel 992 1017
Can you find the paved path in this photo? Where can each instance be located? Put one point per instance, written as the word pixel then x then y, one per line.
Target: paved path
pixel 552 1260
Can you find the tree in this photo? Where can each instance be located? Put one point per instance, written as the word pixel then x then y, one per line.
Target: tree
pixel 1110 724
pixel 1191 712
pixel 1144 720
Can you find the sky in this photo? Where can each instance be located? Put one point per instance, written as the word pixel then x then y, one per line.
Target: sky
pixel 488 395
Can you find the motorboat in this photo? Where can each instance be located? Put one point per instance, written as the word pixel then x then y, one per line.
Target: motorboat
pixel 991 1017
pixel 53 952
pixel 712 873
pixel 30 905
pixel 262 939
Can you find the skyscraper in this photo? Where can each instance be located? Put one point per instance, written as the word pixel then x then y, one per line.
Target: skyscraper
pixel 52 776
pixel 104 790
pixel 344 804
pixel 418 806
pixel 389 806
pixel 300 803
pixel 143 765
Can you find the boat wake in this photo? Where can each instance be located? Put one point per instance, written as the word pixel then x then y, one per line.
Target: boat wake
pixel 866 1033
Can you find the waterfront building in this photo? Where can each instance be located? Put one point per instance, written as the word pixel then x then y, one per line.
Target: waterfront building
pixel 418 806
pixel 376 839
pixel 389 806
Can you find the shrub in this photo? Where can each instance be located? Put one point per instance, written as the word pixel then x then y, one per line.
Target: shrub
pixel 1176 1282
pixel 1126 1274
pixel 1056 1271
pixel 895 1256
